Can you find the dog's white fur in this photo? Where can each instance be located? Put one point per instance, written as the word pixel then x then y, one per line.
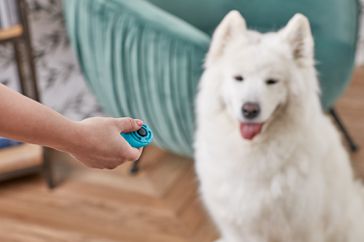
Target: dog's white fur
pixel 292 182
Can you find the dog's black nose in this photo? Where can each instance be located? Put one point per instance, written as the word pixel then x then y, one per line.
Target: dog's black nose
pixel 250 110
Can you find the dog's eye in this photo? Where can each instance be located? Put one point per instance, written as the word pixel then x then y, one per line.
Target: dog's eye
pixel 271 81
pixel 239 78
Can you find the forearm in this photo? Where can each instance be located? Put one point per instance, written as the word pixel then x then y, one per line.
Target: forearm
pixel 96 141
pixel 26 120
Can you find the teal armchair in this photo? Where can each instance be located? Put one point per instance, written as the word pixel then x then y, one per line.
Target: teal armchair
pixel 144 58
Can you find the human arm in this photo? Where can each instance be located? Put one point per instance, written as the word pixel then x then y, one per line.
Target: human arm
pixel 95 141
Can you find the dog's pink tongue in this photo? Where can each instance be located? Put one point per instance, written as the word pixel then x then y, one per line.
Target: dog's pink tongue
pixel 250 130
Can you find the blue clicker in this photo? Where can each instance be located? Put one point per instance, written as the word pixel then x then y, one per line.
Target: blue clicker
pixel 139 138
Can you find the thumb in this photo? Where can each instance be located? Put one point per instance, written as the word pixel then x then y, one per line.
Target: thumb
pixel 127 125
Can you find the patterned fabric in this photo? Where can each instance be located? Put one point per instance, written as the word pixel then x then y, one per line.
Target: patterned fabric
pixel 61 83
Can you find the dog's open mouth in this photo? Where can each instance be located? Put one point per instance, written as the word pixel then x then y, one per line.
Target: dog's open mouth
pixel 250 130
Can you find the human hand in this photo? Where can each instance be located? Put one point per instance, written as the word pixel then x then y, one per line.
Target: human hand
pixel 98 142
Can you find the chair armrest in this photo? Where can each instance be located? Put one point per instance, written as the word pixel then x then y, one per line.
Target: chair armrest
pixel 142 62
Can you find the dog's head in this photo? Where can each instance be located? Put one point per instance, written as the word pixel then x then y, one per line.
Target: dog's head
pixel 259 72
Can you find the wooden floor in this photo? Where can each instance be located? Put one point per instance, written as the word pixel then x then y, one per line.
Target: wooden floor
pixel 160 204
pixel 351 109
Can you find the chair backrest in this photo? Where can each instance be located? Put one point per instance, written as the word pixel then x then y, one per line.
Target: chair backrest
pixel 334 24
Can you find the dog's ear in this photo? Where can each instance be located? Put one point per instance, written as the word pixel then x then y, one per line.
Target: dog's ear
pixel 298 35
pixel 231 26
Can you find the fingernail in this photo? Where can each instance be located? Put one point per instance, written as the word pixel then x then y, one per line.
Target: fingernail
pixel 139 122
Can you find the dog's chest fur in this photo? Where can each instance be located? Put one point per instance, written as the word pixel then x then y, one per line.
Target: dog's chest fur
pixel 253 187
pixel 298 187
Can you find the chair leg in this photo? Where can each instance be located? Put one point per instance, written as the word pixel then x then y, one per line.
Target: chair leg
pixel 47 168
pixel 135 166
pixel 352 145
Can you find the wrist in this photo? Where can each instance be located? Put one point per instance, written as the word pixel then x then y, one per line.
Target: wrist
pixel 70 136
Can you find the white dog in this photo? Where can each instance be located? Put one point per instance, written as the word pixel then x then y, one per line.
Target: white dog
pixel 271 165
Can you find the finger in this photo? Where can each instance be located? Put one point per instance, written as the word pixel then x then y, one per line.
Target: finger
pixel 128 124
pixel 133 154
pixel 112 166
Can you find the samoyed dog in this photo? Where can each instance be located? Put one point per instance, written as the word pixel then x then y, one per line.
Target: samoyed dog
pixel 271 165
